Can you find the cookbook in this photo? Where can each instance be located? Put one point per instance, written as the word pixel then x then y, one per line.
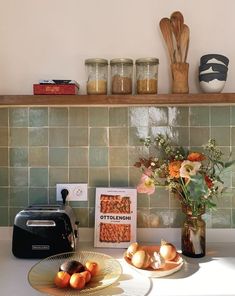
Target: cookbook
pixel 115 217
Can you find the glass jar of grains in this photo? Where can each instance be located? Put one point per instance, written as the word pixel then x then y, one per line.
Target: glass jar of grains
pixel 97 75
pixel 147 75
pixel 121 75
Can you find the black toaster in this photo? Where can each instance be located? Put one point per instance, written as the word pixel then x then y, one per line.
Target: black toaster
pixel 40 231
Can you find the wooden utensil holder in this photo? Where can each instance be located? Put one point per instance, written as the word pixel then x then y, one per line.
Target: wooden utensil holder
pixel 180 78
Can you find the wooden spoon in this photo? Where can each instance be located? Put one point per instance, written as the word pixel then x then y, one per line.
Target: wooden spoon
pixel 184 42
pixel 177 21
pixel 165 26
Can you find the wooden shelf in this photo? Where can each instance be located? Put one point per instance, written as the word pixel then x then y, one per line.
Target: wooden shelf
pixel 92 100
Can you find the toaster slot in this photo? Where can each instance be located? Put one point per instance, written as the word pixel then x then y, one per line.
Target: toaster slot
pixel 40 223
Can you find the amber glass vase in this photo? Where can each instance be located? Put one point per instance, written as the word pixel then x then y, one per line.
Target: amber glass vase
pixel 193 236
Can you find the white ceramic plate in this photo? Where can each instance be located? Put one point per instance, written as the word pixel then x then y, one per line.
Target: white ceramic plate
pixel 169 268
pixel 41 276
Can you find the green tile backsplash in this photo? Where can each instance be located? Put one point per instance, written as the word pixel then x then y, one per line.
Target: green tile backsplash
pixel 42 146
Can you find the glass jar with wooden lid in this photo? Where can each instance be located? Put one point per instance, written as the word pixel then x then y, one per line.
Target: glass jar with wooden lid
pixel 121 75
pixel 147 75
pixel 97 76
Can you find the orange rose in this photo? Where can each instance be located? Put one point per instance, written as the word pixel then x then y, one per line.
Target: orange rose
pixel 196 156
pixel 174 168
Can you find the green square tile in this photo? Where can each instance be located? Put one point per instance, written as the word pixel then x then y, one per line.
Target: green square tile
pixel 57 176
pixel 38 156
pixel 142 200
pixel 4 196
pixel 98 177
pixel 91 197
pixel 138 116
pixel 136 134
pixel 91 217
pixel 118 177
pixel 232 115
pixel 78 156
pixel 118 116
pixel 199 136
pixel 38 136
pixel 178 116
pixel 82 216
pixel 18 176
pixel 98 116
pixel 159 218
pixel 18 157
pixel 233 178
pixel 225 201
pixel 3 136
pixel 78 175
pixel 199 116
pixel 3 116
pixel 176 218
pixel 221 135
pixel 118 156
pixel 227 178
pixel 174 201
pixel 134 176
pixel 3 176
pixel 58 157
pixel 143 216
pixel 38 117
pixel 180 136
pixel 158 116
pixel 220 115
pixel 38 177
pixel 78 136
pixel 98 156
pixel 135 153
pixel 118 136
pixel 58 116
pixel 233 136
pixel 78 204
pixel 160 198
pixel 38 195
pixel 58 137
pixel 18 117
pixel 78 116
pixel 98 136
pixel 233 218
pixel 52 195
pixel 18 137
pixel 19 197
pixel 221 218
pixel 3 156
pixel 4 216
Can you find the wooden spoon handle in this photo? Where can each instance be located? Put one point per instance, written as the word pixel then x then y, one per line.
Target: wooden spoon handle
pixel 165 26
pixel 184 42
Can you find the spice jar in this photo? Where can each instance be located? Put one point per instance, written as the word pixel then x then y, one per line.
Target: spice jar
pixel 147 75
pixel 97 75
pixel 122 74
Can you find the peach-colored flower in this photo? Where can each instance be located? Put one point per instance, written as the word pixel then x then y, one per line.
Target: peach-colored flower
pixel 196 156
pixel 189 168
pixel 146 185
pixel 174 168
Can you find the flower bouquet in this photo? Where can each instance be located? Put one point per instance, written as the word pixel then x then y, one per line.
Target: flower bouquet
pixel 194 177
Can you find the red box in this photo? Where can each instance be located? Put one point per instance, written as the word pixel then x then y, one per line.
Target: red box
pixel 55 89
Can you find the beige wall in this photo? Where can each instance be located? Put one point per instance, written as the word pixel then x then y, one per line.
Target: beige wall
pixel 52 38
